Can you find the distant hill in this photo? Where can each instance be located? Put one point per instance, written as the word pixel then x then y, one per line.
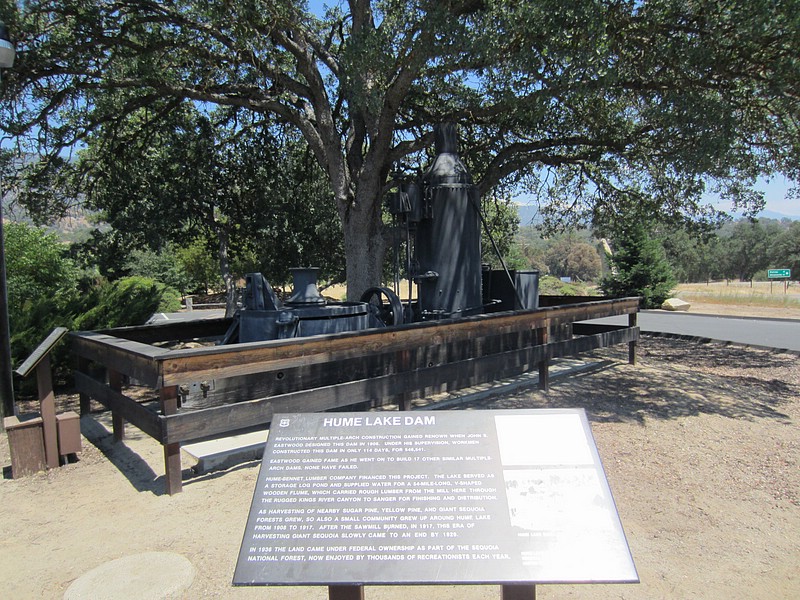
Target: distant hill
pixel 529 215
pixel 771 214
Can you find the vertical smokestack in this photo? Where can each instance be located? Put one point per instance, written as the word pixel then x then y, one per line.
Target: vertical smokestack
pixel 445 138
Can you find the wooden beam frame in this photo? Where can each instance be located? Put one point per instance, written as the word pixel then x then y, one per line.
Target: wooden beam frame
pixel 393 365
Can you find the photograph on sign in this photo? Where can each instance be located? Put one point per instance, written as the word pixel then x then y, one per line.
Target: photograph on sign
pixel 432 497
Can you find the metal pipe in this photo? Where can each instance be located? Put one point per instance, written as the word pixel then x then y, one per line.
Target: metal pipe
pixel 7 404
pixel 6 376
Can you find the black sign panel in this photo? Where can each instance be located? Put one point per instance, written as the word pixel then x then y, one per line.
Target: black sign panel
pixel 432 497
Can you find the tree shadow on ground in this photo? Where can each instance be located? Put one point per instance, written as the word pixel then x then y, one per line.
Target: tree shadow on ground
pixel 127 461
pixel 674 379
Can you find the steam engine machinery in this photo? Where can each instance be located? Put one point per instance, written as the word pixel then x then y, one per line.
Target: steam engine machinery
pixel 437 244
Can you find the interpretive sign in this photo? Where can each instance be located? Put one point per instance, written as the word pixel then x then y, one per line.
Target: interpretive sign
pixel 779 273
pixel 432 497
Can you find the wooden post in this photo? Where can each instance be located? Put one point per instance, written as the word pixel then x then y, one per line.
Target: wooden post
pixel 117 422
pixel 47 407
pixel 403 359
pixel 524 591
pixel 172 452
pixel 544 365
pixel 633 321
pixel 85 399
pixel 345 592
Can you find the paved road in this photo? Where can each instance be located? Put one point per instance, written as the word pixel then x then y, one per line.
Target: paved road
pixel 782 334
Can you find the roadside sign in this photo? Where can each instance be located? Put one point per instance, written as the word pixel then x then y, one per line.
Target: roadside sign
pixel 779 273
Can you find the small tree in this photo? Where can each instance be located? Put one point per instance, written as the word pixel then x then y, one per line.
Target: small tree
pixel 42 289
pixel 639 266
pixel 164 266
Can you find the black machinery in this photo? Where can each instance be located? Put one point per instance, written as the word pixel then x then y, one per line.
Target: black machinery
pixel 438 222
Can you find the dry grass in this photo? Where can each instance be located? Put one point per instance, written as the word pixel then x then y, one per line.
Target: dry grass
pixel 760 293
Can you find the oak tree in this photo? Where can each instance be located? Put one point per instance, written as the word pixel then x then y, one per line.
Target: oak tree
pixel 594 106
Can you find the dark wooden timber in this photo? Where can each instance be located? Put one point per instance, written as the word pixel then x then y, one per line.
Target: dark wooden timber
pixel 129 409
pixel 518 592
pixel 117 421
pixel 134 359
pixel 243 385
pixel 633 321
pixel 181 331
pixel 345 592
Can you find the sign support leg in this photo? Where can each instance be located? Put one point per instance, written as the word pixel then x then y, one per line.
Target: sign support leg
pixel 47 407
pixel 525 591
pixel 633 321
pixel 345 592
pixel 544 364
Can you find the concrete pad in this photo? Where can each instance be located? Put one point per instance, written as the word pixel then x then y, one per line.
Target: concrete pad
pixel 147 576
pixel 224 452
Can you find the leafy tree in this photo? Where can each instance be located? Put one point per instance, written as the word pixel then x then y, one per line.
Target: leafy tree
pixel 199 266
pixel 42 291
pixel 639 266
pixel 746 251
pixel 594 107
pixel 164 267
pixel 568 257
pixel 37 267
pixel 694 256
pixel 785 250
pixel 500 218
pixel 246 191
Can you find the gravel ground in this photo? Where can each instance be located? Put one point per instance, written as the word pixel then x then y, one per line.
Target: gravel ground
pixel 699 442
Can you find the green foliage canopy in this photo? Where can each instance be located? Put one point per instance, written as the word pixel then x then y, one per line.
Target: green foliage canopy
pixel 595 107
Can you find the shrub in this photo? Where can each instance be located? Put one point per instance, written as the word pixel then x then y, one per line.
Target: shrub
pixel 128 301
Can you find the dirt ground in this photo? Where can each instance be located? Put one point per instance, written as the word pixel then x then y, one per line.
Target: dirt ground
pixel 700 443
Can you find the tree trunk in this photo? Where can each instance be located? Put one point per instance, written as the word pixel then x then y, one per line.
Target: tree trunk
pixel 364 247
pixel 225 271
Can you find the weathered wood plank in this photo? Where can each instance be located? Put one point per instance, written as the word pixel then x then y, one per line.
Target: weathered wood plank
pixel 182 366
pixel 168 397
pixel 130 358
pixel 47 408
pixel 189 426
pixel 281 381
pixel 219 420
pixel 133 412
pixel 172 331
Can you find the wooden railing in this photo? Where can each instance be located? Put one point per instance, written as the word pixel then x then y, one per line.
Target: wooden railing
pixel 245 384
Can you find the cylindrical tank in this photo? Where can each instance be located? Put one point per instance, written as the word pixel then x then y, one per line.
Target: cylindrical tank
pixel 448 239
pixel 305 313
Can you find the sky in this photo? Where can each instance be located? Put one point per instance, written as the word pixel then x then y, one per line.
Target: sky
pixel 776 191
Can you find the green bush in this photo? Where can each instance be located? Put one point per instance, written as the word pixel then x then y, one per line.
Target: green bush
pixel 553 286
pixel 128 301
